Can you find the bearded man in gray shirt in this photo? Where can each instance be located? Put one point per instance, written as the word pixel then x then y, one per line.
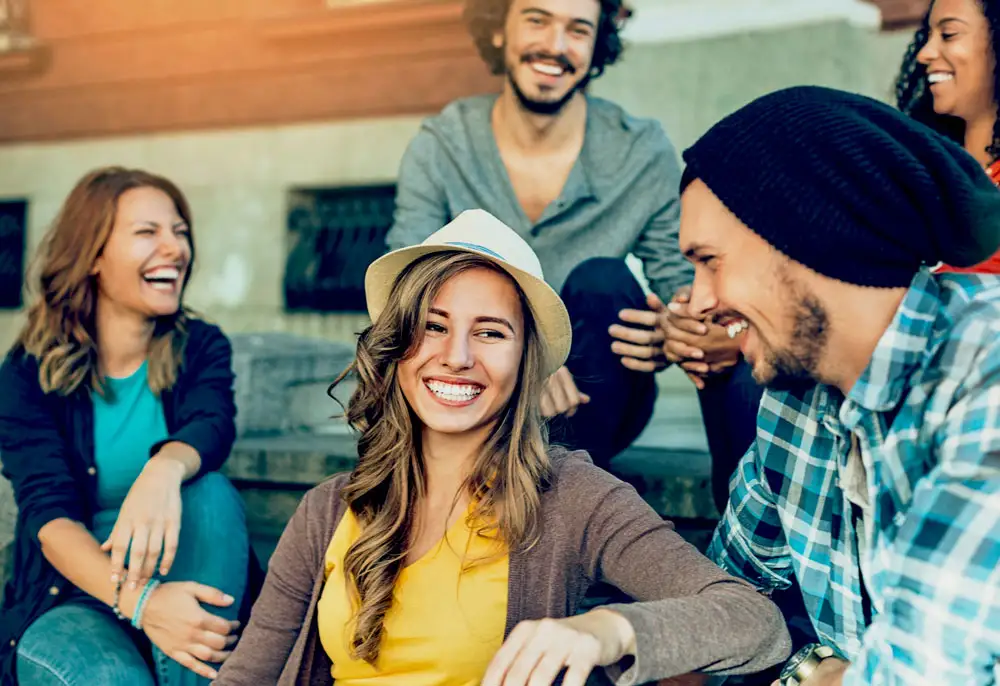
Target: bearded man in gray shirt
pixel 584 183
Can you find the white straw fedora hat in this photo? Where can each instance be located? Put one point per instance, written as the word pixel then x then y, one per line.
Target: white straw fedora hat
pixel 480 233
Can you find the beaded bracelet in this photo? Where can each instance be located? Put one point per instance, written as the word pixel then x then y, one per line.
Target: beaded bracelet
pixel 118 596
pixel 141 603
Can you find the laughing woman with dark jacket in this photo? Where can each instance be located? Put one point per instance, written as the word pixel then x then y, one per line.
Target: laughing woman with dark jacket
pixel 131 551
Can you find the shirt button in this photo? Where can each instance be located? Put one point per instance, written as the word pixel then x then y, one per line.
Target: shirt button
pixel 899 518
pixel 13 643
pixel 54 590
pixel 92 470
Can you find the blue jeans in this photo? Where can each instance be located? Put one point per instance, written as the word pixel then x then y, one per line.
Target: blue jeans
pixel 81 643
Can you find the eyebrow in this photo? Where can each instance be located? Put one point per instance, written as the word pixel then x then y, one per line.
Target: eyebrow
pixel 487 319
pixel 546 13
pixel 947 20
pixel 150 222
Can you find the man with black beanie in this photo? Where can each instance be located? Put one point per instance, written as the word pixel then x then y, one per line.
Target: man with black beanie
pixel 812 217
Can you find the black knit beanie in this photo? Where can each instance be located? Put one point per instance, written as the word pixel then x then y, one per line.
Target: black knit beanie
pixel 848 186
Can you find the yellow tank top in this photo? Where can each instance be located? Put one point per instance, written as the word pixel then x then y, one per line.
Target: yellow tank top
pixel 444 625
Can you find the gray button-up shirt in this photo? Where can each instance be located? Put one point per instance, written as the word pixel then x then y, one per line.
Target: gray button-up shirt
pixel 621 195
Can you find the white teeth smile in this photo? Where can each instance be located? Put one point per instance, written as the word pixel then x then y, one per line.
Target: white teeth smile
pixel 547 69
pixel 162 278
pixel 939 77
pixel 736 328
pixel 453 392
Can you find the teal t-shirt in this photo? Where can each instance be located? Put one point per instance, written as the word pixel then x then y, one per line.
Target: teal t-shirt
pixel 125 428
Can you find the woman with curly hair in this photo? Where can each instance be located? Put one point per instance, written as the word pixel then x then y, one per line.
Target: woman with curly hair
pixel 131 551
pixel 950 82
pixel 459 550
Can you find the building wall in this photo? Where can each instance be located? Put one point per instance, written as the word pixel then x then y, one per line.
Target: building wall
pixel 238 179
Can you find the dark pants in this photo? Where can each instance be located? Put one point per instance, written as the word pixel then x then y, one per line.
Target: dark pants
pixel 729 404
pixel 621 400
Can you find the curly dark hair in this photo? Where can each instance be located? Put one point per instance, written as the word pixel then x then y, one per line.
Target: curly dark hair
pixel 485 17
pixel 914 98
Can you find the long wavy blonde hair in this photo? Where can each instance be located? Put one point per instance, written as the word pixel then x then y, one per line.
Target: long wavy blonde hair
pixel 60 332
pixel 505 481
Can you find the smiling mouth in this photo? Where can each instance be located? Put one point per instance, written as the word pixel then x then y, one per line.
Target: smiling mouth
pixel 548 69
pixel 734 324
pixel 939 77
pixel 454 393
pixel 164 279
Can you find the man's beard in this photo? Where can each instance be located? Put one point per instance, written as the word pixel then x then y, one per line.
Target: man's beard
pixel 546 108
pixel 796 367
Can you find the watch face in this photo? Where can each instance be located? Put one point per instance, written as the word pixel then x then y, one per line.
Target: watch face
pixel 795 660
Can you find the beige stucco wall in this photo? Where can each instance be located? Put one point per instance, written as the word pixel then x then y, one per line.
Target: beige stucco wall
pixel 237 181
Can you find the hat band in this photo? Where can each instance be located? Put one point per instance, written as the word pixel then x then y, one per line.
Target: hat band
pixel 480 248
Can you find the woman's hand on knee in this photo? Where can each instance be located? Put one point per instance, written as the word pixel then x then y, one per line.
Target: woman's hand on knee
pixel 149 523
pixel 177 624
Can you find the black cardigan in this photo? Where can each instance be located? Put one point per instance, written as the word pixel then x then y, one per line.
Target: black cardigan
pixel 47 450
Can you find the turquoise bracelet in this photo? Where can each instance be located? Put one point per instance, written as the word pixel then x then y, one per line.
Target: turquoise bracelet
pixel 140 604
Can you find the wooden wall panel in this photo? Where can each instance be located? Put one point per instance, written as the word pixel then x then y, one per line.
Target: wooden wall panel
pixel 110 68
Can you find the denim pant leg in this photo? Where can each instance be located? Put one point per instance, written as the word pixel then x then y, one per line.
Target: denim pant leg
pixel 80 644
pixel 214 550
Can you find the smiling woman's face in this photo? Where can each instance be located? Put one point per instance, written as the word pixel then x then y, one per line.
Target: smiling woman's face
pixel 144 264
pixel 959 60
pixel 467 365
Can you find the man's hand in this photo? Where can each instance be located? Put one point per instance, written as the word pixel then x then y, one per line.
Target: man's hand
pixel 536 651
pixel 829 672
pixel 561 396
pixel 700 348
pixel 641 349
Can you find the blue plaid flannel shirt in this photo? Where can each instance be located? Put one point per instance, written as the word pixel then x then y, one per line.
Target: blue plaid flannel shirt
pixel 926 414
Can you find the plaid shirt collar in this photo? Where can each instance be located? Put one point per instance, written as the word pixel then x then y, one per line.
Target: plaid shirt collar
pixel 903 349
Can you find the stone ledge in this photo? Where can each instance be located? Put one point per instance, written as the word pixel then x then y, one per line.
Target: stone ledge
pixel 684 20
pixel 271 367
pixel 676 482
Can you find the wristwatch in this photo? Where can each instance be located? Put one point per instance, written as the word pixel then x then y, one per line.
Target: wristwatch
pixel 803 663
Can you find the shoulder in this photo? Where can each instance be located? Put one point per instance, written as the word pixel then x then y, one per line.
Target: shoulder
pixel 612 119
pixel 458 113
pixel 969 326
pixel 455 123
pixel 323 505
pixel 576 484
pixel 19 364
pixel 205 339
pixel 18 376
pixel 631 142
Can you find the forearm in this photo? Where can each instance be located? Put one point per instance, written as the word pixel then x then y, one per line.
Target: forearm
pixel 181 456
pixel 727 629
pixel 77 556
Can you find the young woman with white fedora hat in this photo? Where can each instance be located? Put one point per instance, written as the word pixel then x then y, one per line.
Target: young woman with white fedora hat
pixel 460 548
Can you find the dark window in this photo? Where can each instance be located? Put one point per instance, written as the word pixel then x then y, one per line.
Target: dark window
pixel 334 234
pixel 13 238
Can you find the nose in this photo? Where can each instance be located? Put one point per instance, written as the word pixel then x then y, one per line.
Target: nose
pixel 171 245
pixel 457 353
pixel 703 297
pixel 929 52
pixel 555 41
